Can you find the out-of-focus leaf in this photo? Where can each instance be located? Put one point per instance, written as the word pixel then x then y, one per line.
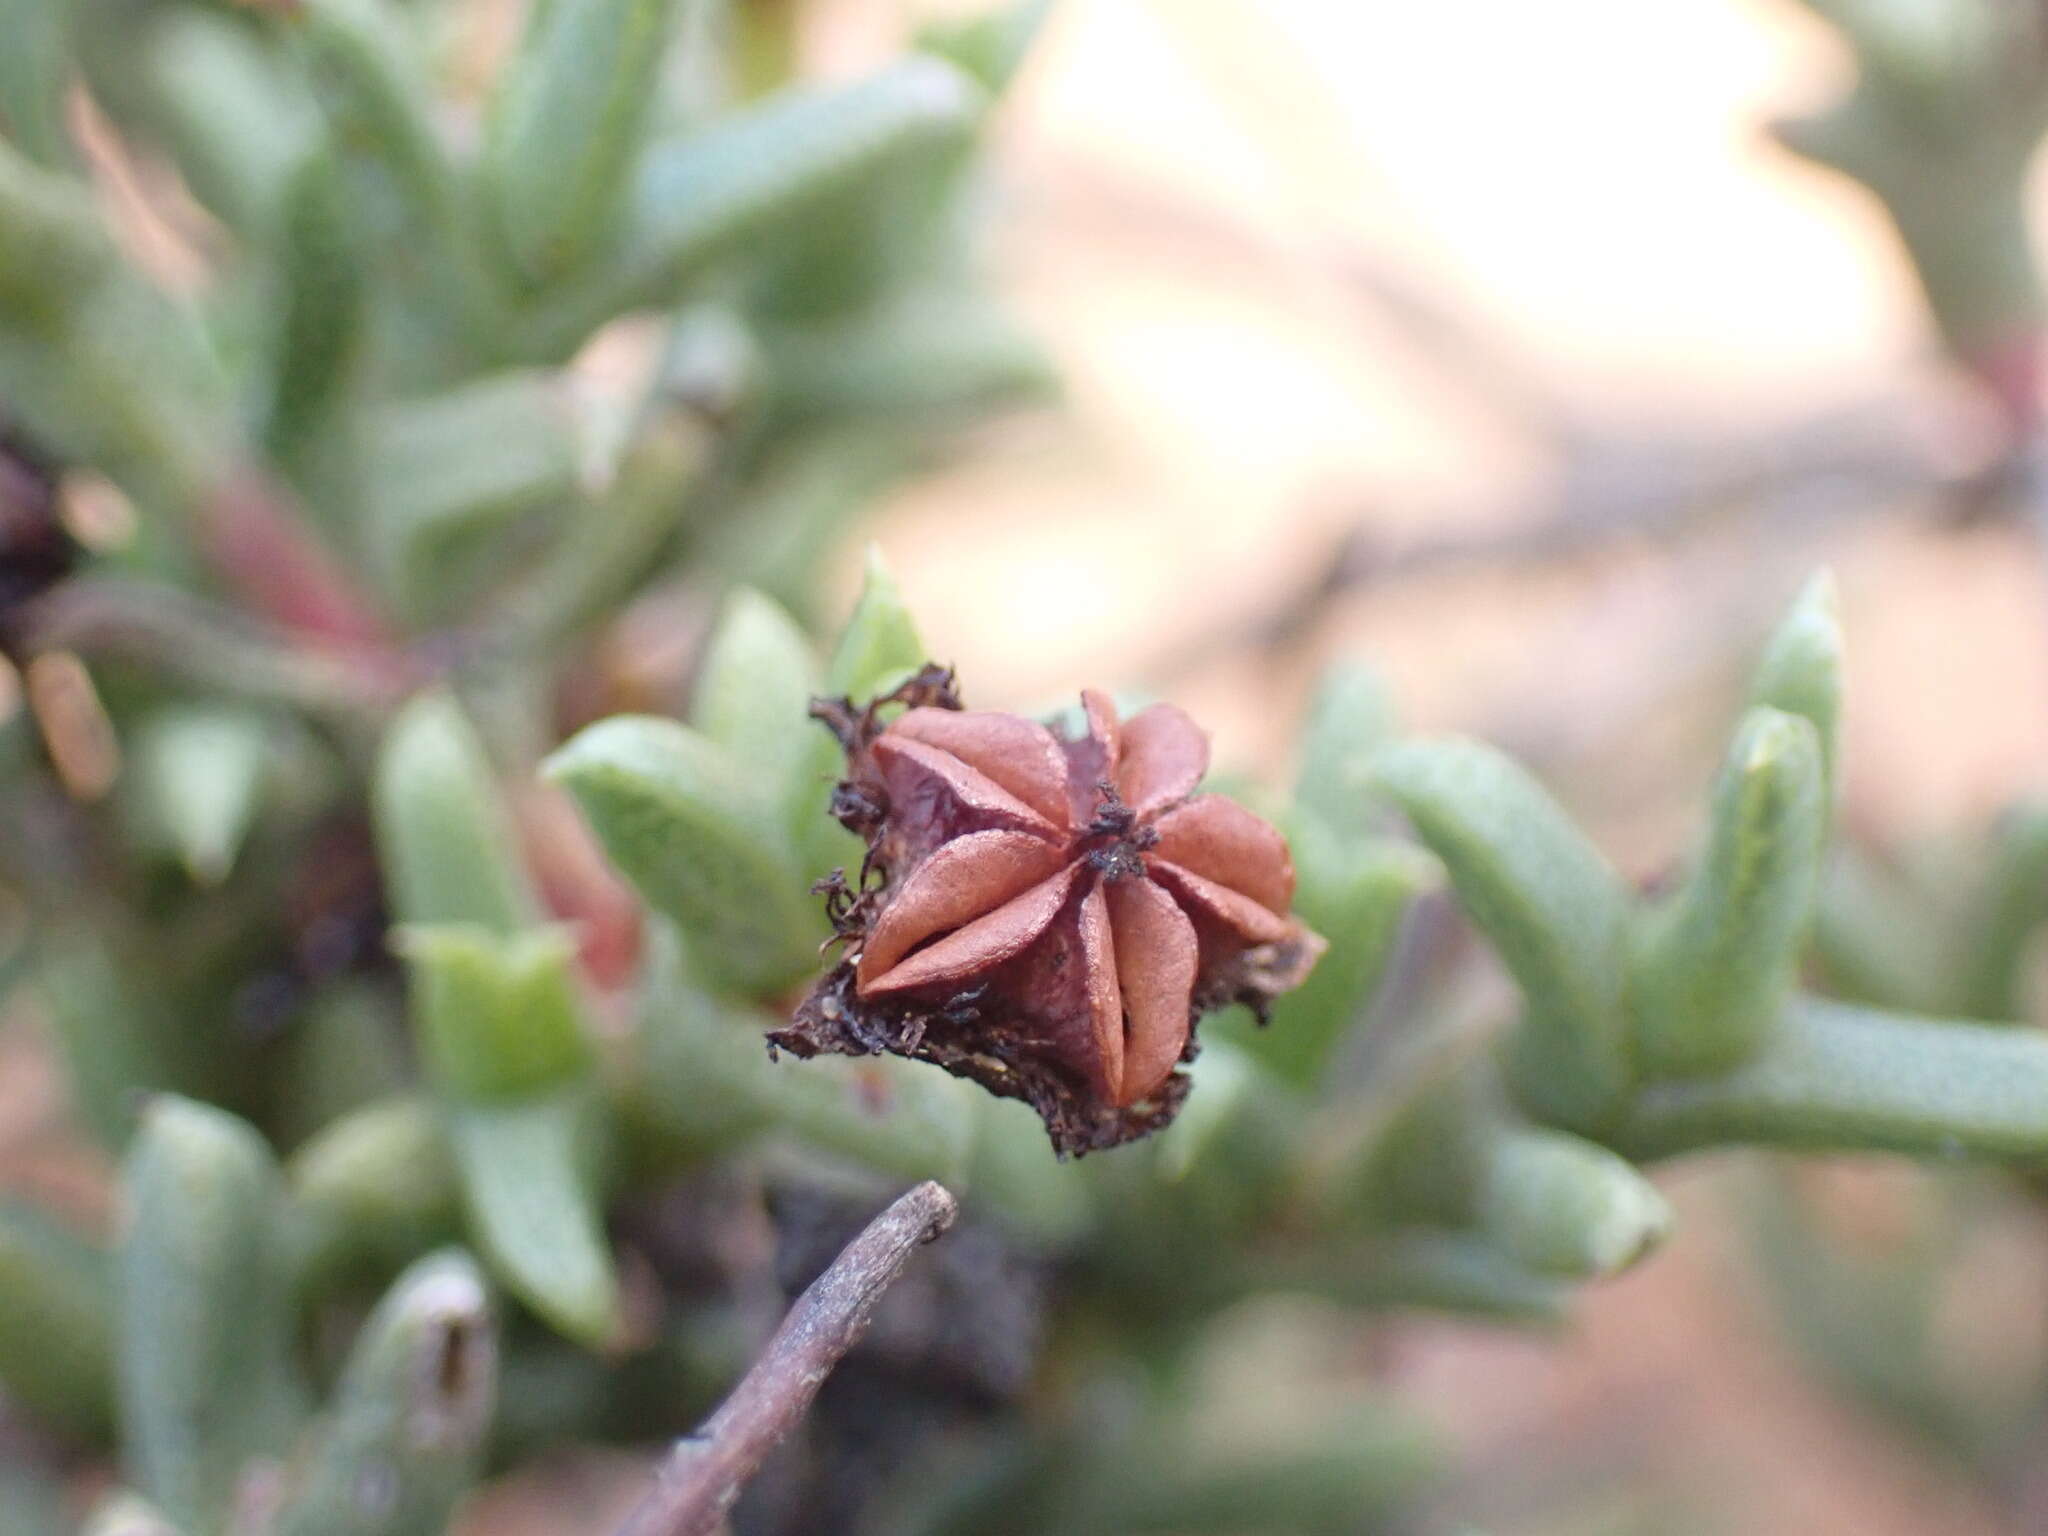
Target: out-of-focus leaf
pixel 450 476
pixel 196 773
pixel 1349 720
pixel 123 1514
pixel 512 1071
pixel 922 356
pixel 443 835
pixel 879 645
pixel 1837 1078
pixel 347 1049
pixel 1564 1207
pixel 100 366
pixel 706 1084
pixel 324 322
pixel 682 821
pixel 990 46
pixel 696 198
pixel 35 71
pixel 403 1440
pixel 374 1188
pixel 753 699
pixel 1553 909
pixel 1801 669
pixel 2005 919
pixel 566 127
pixel 529 1177
pixel 613 540
pixel 366 69
pixel 1462 1273
pixel 1713 965
pixel 56 1324
pixel 495 1013
pixel 113 1045
pixel 1878 939
pixel 1356 900
pixel 1362 1466
pixel 211 92
pixel 205 1369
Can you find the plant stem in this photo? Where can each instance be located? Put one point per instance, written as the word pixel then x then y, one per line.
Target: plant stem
pixel 704 1473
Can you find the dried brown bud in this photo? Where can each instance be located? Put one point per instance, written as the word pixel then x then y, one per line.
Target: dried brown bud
pixel 1047 917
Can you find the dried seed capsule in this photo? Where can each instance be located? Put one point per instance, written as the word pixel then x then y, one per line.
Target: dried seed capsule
pixel 1049 917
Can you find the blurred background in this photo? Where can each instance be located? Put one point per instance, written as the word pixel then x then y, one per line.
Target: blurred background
pixel 1507 349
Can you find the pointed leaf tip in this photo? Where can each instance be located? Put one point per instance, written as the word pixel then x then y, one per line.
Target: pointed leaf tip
pixel 880 642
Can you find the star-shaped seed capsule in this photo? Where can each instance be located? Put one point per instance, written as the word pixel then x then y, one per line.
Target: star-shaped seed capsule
pixel 1047 916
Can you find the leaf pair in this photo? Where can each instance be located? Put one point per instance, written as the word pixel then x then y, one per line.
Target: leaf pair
pixel 495 1006
pixel 210 1392
pixel 1678 1025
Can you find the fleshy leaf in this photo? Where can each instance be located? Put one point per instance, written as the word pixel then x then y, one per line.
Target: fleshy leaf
pixel 753 699
pixel 404 1438
pixel 56 1323
pixel 1550 904
pixel 1801 668
pixel 529 1178
pixel 1564 1207
pixel 679 819
pixel 206 1327
pixel 495 1014
pixel 443 834
pixel 567 125
pixel 1714 963
pixel 879 644
pixel 695 198
pixel 197 775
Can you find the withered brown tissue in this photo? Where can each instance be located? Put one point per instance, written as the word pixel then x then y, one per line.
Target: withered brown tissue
pixel 1049 917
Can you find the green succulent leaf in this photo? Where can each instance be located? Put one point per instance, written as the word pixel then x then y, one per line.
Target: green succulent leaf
pixel 753 699
pixel 197 775
pixel 496 1013
pixel 1550 904
pixel 706 1084
pixel 56 1323
pixel 695 198
pixel 324 326
pixel 375 1187
pixel 879 645
pixel 1461 1273
pixel 205 1366
pixel 366 70
pixel 34 75
pixel 404 1438
pixel 992 46
pixel 452 477
pixel 1350 718
pixel 1801 668
pixel 1564 1207
pixel 530 1179
pixel 1356 900
pixel 681 819
pixel 613 541
pixel 2004 925
pixel 1714 963
pixel 443 834
pixel 567 126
